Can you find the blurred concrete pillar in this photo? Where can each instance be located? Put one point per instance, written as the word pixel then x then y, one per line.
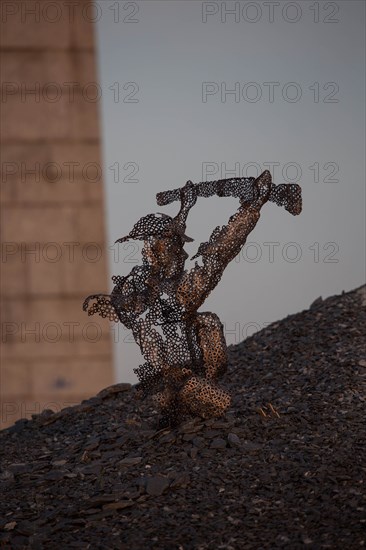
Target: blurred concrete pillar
pixel 52 211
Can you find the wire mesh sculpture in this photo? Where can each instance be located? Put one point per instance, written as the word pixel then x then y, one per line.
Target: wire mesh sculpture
pixel 185 350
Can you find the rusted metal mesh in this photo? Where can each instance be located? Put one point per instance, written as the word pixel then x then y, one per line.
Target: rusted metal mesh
pixel 185 350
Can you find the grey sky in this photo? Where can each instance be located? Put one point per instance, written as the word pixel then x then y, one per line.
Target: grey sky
pixel 313 126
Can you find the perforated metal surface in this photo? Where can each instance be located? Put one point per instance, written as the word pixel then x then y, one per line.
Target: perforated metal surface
pixel 184 350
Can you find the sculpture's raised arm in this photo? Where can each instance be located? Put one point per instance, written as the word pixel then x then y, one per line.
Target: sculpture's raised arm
pixel 226 242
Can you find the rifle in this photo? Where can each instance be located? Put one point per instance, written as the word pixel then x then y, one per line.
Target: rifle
pixel 285 194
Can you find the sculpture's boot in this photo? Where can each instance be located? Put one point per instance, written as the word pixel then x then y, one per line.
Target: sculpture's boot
pixel 204 398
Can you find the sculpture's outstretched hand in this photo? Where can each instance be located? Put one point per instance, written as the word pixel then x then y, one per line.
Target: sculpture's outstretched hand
pixel 188 195
pixel 262 190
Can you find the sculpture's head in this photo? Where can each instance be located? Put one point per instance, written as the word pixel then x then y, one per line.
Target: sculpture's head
pixel 164 243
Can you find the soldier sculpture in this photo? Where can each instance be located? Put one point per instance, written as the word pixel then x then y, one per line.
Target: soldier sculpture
pixel 184 349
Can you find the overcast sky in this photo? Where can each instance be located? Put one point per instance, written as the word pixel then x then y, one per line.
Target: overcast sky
pixel 295 71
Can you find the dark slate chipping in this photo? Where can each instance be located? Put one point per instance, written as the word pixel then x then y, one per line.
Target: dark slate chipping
pixel 297 479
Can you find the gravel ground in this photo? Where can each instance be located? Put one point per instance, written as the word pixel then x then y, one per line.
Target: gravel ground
pixel 284 468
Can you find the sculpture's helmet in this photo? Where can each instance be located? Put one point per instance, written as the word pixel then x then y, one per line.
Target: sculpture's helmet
pixel 157 225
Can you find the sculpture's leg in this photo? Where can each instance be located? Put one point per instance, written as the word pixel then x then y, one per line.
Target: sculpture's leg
pixel 201 395
pixel 151 343
pixel 211 339
pixel 168 399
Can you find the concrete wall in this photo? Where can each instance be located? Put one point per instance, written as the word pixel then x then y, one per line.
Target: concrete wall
pixel 53 354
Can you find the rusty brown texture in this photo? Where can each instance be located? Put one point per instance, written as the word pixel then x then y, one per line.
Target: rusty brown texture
pixel 184 349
